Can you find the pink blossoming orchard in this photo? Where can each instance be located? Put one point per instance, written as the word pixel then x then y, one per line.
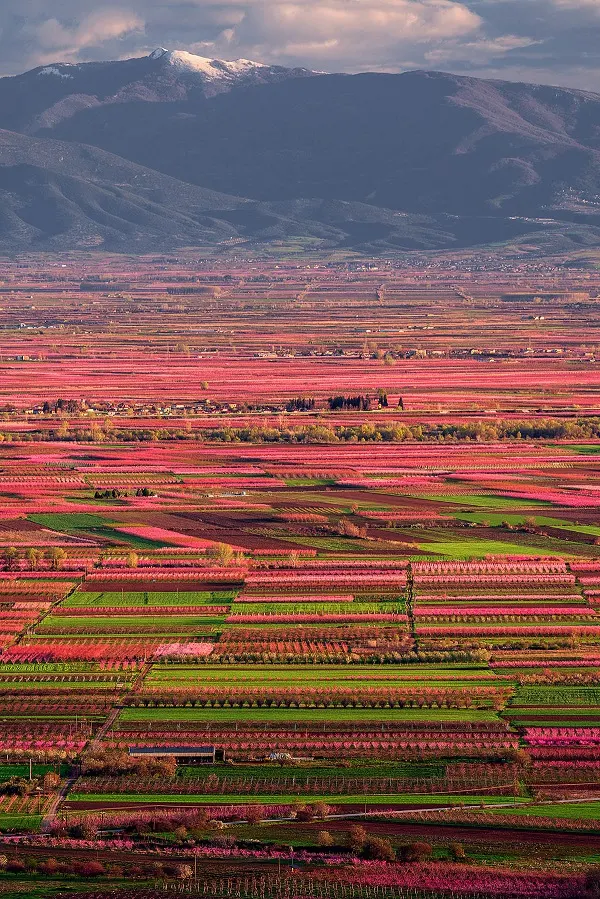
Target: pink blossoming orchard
pixel 299 591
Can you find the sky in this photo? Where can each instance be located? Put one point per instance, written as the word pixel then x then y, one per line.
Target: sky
pixel 547 41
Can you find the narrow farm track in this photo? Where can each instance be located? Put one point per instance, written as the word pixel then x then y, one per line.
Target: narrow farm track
pixel 57 800
pixel 104 728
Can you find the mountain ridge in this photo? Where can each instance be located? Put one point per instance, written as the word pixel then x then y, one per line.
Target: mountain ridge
pixel 44 95
pixel 459 160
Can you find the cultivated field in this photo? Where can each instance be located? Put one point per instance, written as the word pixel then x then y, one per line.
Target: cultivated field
pixel 341 525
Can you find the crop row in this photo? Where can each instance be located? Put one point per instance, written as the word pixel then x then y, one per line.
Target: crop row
pixel 455 614
pixel 563 736
pixel 325 617
pixel 558 599
pixel 515 630
pixel 361 786
pixel 245 597
pixel 317 566
pixel 545 567
pixel 350 580
pixel 226 574
pixel 93 650
pixel 320 697
pixel 496 578
pixel 135 611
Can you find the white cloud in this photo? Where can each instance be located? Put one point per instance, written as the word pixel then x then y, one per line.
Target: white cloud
pixel 338 30
pixel 479 52
pixel 58 41
pixel 594 5
pixel 546 40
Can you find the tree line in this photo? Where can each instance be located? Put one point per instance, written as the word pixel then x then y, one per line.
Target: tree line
pixel 478 431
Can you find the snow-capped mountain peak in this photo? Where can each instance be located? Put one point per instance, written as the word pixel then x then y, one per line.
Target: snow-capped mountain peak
pixel 212 69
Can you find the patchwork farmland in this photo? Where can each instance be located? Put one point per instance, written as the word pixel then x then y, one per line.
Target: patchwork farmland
pixel 313 606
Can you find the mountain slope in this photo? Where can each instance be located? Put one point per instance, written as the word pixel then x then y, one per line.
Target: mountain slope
pixel 419 142
pixel 57 196
pixel 177 150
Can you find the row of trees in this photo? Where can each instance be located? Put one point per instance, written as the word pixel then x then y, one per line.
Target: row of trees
pixel 360 402
pixel 35 558
pixel 303 696
pixel 221 553
pixel 300 404
pixel 393 432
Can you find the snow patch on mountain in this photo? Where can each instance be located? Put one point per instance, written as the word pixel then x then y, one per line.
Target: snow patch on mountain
pixel 213 69
pixel 54 70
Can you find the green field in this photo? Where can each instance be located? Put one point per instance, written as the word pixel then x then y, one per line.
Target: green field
pixel 482 500
pixel 26 823
pixel 315 675
pixel 586 810
pixel 81 599
pixel 472 547
pixel 84 524
pixel 115 625
pixel 556 696
pixel 70 521
pixel 22 770
pixel 344 768
pixel 495 519
pixel 74 685
pixel 310 482
pixel 393 607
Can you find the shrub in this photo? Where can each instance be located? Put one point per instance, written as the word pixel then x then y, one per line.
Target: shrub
pixel 91 869
pixel 305 813
pixel 325 839
pixel 254 815
pixel 416 852
pixel 85 830
pixel 357 837
pixel 50 866
pixel 457 852
pixel 379 849
pixel 321 810
pixel 16 866
pixel 50 782
pixel 183 872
